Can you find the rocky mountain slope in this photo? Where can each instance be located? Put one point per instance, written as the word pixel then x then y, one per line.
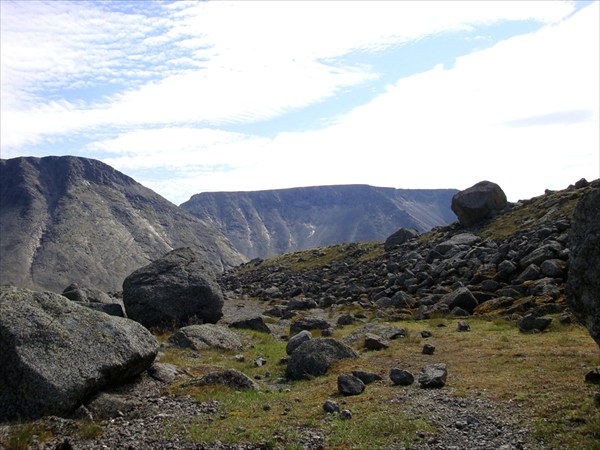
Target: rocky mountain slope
pixel 267 223
pixel 513 263
pixel 70 219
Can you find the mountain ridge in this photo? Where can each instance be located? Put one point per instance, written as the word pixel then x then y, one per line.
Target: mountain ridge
pixel 69 219
pixel 270 222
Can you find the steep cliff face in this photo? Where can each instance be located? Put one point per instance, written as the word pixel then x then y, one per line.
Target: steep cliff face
pixel 69 219
pixel 267 223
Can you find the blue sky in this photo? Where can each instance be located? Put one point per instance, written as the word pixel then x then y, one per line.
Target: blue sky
pixel 192 96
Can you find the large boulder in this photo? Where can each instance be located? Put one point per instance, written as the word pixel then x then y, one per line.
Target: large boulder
pixel 583 282
pixel 56 354
pixel 478 202
pixel 315 356
pixel 205 336
pixel 173 291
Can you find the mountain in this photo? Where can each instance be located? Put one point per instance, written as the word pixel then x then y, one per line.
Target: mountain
pixel 267 223
pixel 69 219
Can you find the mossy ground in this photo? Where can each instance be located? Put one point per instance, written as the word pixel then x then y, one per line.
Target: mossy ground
pixel 540 374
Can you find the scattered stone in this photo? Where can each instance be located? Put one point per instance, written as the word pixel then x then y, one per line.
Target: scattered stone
pixel 463 326
pixel 399 237
pixel 428 349
pixel 260 361
pixel 531 323
pixel 565 319
pixel 345 414
pixel 308 323
pixel 315 356
pixel 375 342
pixel 346 319
pixel 366 377
pixel 425 334
pixel 350 385
pixel 229 377
pixel 401 377
pixel 163 372
pixel 461 298
pixel 205 336
pixel 327 332
pixel 593 376
pixel 331 407
pixel 106 406
pixel 296 340
pixel 239 358
pixel 173 291
pixel 433 376
pixel 254 323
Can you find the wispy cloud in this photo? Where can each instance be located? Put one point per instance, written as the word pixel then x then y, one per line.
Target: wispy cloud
pixel 183 86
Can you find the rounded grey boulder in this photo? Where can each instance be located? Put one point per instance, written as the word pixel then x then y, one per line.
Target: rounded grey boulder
pixel 207 335
pixel 173 291
pixel 56 354
pixel 478 202
pixel 315 356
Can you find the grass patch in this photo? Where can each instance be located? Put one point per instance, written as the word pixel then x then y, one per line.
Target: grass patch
pixel 23 436
pixel 321 256
pixel 542 374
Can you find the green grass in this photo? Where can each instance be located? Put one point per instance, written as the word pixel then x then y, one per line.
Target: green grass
pixel 23 436
pixel 541 374
pixel 318 257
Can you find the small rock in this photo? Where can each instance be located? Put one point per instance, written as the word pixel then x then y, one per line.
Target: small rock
pixel 331 407
pixel 296 340
pixel 532 323
pixel 346 319
pixel 433 376
pixel 425 334
pixel 345 414
pixel 401 377
pixel 254 323
pixel 350 385
pixel 428 349
pixel 565 319
pixel 260 361
pixel 593 376
pixel 229 377
pixel 463 326
pixel 375 342
pixel 327 332
pixel 366 377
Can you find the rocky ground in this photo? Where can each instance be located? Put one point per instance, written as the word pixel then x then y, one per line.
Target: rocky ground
pixel 513 265
pixel 154 419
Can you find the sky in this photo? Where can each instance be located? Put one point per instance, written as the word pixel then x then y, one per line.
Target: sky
pixel 188 97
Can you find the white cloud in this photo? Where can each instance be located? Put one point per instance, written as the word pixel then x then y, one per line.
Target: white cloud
pixel 178 76
pixel 211 62
pixel 447 127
